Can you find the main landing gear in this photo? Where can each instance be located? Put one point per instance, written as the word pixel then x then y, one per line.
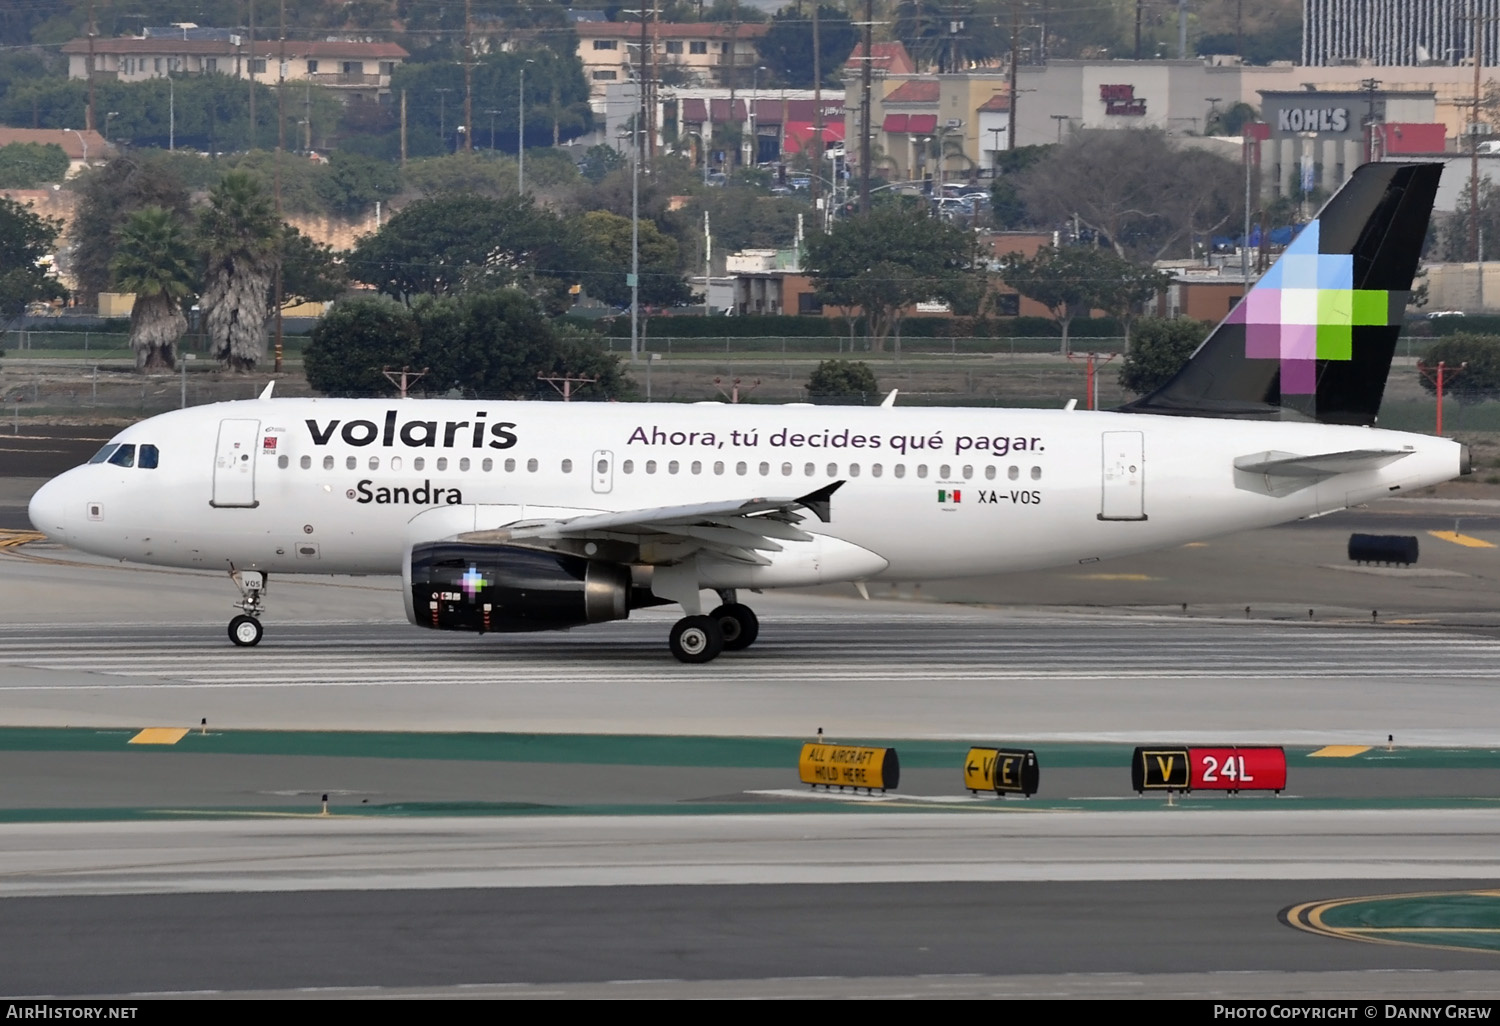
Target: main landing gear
pixel 729 628
pixel 245 630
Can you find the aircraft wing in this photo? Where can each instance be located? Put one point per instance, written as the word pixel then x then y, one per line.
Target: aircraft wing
pixel 737 529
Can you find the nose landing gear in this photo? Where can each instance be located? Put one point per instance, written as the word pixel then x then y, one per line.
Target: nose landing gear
pixel 245 630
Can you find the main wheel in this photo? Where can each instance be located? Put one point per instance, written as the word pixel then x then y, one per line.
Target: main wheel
pixel 738 624
pixel 245 631
pixel 696 639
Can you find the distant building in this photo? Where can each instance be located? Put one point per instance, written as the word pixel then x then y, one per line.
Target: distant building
pixel 705 53
pixel 353 70
pixel 83 147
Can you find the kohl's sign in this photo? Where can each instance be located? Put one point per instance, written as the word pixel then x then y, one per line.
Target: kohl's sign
pixel 1313 119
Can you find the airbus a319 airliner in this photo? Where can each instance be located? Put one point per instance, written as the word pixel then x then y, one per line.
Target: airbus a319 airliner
pixel 523 516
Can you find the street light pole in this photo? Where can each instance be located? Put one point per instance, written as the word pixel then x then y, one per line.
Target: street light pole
pixel 492 112
pixel 84 143
pixel 443 92
pixel 171 113
pixel 107 116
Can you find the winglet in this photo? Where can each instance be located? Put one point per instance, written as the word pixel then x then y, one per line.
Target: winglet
pixel 890 399
pixel 818 501
pixel 266 392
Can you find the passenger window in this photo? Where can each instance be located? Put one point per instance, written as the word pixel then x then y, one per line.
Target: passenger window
pixel 567 466
pixel 282 462
pixel 989 473
pixel 463 464
pixel 719 467
pixel 741 469
pixel 765 470
pixel 531 465
pixel 947 472
pixel 374 462
pixel 442 463
pixel 786 470
pixel 418 463
pixel 809 469
pixel 854 470
pixel 628 466
pixel 602 467
pixel 650 466
pixel 510 466
pixel 899 470
pixel 327 462
pixel 1013 473
pixel 833 470
pixel 351 463
pixel 307 463
pixel 148 457
pixel 1036 473
pixel 395 462
pixel 124 456
pixel 487 465
pixel 672 467
pixel 921 470
pixel 105 453
pixel 697 467
pixel 968 472
pixel 875 470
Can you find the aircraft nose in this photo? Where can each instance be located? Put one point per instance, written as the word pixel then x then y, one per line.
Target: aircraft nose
pixel 49 508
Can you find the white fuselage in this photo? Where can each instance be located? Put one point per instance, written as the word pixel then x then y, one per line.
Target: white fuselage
pixel 346 486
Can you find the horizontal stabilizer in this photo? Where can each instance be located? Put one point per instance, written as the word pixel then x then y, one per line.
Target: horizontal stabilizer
pixel 1282 473
pixel 1285 464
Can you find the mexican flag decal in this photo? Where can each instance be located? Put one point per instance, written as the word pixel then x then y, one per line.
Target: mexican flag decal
pixel 946 496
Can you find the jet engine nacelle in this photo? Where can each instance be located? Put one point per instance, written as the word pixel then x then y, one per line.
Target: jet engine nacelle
pixel 504 588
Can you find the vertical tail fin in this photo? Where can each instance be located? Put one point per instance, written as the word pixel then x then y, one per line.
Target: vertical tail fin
pixel 1314 338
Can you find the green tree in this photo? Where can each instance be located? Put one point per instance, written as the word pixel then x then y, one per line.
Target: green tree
pixel 888 260
pixel 447 244
pixel 240 235
pixel 1472 371
pixel 842 381
pixel 479 173
pixel 1076 279
pixel 31 165
pixel 787 49
pixel 599 160
pixel 1159 346
pixel 108 196
pixel 353 183
pixel 606 237
pixel 154 260
pixel 355 341
pixel 310 270
pixel 1007 209
pixel 26 240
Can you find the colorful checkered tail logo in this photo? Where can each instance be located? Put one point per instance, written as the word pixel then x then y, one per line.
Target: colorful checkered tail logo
pixel 1313 339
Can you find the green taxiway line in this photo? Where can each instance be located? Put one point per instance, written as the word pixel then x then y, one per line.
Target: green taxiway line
pixel 650 750
pixel 895 805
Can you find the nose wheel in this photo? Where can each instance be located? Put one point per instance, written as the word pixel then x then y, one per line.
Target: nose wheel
pixel 245 631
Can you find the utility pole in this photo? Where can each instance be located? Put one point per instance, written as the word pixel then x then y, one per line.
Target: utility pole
pixel 404 378
pixel 252 74
pixel 1370 85
pixel 403 128
pixel 280 145
pixel 731 156
pixel 1015 55
pixel 817 171
pixel 468 77
pixel 864 109
pixel 652 83
pixel 88 114
pixel 1474 20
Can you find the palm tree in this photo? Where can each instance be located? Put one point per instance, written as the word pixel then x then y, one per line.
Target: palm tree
pixel 154 260
pixel 241 240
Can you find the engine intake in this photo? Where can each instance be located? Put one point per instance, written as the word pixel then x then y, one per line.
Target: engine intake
pixel 487 588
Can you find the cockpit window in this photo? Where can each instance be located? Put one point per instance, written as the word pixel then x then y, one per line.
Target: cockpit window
pixel 124 456
pixel 105 453
pixel 148 457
